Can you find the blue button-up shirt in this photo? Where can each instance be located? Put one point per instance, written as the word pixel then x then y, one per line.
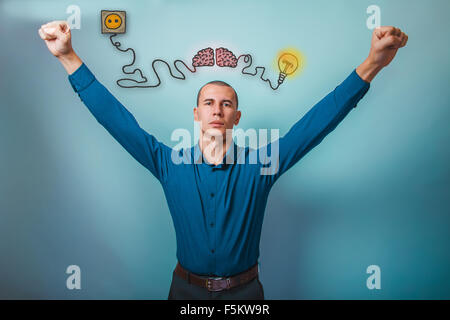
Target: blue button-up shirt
pixel 217 210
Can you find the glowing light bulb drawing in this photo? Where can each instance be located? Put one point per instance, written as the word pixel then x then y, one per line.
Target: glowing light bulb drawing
pixel 288 64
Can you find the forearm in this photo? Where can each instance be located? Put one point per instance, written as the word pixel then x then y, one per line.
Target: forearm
pixel 368 70
pixel 71 62
pixel 320 120
pixel 118 121
pixel 108 111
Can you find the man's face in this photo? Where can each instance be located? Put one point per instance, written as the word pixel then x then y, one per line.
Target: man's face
pixel 216 109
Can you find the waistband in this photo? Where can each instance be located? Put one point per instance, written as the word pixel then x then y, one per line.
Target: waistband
pixel 217 283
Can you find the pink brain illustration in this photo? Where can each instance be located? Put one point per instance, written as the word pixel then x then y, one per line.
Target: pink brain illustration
pixel 225 58
pixel 204 57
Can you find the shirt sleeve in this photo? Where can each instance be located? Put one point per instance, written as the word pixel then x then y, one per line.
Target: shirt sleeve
pixel 312 128
pixel 120 123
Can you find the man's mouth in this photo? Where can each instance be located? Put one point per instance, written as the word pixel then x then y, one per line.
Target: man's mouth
pixel 216 124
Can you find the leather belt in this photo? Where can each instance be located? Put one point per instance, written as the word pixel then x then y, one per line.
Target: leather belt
pixel 217 283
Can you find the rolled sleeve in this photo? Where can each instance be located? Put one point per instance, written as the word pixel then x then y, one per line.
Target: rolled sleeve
pixel 318 122
pixel 351 90
pixel 81 78
pixel 120 123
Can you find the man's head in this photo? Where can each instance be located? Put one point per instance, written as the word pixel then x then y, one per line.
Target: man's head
pixel 217 105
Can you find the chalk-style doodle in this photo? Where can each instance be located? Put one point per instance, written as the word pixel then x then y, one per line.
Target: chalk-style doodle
pixel 114 22
pixel 204 58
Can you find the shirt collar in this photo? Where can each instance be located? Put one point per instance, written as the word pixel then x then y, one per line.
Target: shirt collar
pixel 229 158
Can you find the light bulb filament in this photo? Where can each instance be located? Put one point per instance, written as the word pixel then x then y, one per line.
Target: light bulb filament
pixel 287 65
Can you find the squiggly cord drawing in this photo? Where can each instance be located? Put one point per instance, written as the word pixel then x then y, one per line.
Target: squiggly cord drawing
pixel 248 57
pixel 182 77
pixel 205 57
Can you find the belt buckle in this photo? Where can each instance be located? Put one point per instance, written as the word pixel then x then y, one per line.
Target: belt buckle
pixel 209 284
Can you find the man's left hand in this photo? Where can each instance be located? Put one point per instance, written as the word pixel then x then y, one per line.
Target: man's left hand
pixel 385 43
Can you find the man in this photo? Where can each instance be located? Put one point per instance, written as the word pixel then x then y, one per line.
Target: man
pixel 217 205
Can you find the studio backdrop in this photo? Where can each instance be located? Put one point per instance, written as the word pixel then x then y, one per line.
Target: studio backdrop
pixel 364 215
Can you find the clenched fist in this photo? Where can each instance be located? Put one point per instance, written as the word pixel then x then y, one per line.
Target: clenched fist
pixel 57 37
pixel 385 43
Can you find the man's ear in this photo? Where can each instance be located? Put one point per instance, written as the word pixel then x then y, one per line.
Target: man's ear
pixel 238 117
pixel 195 114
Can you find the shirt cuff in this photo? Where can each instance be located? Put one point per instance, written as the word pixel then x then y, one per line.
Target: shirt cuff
pixel 357 82
pixel 81 78
pixel 353 88
pixel 362 85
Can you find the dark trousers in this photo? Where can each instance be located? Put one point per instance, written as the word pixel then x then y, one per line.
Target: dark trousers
pixel 180 289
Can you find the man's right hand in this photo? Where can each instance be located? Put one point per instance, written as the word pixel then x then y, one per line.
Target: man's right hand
pixel 57 37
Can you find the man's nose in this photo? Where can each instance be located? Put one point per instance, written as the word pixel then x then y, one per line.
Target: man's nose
pixel 217 109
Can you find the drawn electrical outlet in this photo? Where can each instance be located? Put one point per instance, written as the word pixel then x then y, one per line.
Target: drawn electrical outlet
pixel 113 21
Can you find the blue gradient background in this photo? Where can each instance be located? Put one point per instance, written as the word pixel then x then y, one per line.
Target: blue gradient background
pixel 375 191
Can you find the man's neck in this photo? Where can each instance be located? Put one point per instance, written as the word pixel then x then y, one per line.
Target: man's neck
pixel 214 148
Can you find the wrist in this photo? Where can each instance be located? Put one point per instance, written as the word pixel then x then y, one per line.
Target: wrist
pixel 70 61
pixel 368 70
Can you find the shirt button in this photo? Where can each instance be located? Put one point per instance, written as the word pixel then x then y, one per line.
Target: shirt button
pixel 212 195
pixel 212 250
pixel 212 224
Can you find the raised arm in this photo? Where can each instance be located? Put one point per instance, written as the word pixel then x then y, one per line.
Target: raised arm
pixel 108 111
pixel 324 117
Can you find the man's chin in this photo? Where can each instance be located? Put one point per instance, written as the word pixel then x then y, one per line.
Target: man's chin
pixel 217 131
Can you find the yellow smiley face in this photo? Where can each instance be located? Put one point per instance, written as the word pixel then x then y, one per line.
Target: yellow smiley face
pixel 113 21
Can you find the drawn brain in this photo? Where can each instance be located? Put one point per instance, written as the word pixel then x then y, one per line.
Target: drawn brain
pixel 225 58
pixel 204 57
